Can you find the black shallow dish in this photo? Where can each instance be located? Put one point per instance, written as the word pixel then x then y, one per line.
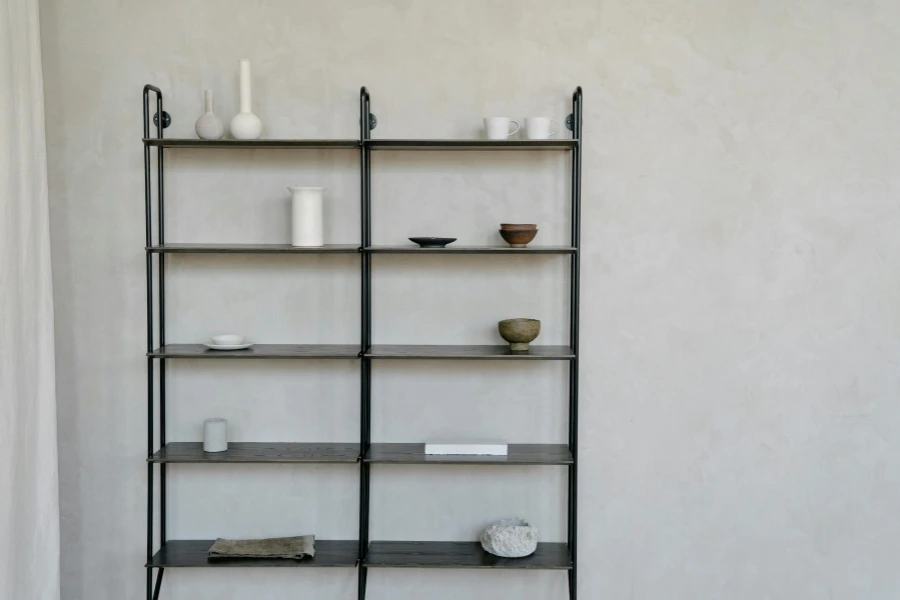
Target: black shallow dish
pixel 432 242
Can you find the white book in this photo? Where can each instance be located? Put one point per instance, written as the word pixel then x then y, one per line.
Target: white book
pixel 467 448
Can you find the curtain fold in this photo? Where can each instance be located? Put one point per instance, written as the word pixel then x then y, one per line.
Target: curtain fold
pixel 29 494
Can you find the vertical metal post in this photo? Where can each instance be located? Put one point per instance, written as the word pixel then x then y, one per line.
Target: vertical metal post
pixel 148 223
pixel 573 342
pixel 365 336
pixel 161 305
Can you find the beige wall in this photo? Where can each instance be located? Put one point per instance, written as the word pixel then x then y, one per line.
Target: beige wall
pixel 740 325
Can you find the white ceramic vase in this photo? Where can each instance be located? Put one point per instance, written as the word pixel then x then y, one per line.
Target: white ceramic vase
pixel 245 125
pixel 306 216
pixel 209 126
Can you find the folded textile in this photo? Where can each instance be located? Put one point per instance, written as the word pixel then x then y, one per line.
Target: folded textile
pixel 297 548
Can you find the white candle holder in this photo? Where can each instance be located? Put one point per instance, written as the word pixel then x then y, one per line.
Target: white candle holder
pixel 215 435
pixel 306 216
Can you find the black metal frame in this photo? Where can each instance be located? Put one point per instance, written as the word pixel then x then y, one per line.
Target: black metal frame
pixel 366 122
pixel 549 556
pixel 161 119
pixel 575 124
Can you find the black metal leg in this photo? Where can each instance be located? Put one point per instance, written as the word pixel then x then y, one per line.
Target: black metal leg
pixel 161 270
pixel 159 578
pixel 363 575
pixel 364 467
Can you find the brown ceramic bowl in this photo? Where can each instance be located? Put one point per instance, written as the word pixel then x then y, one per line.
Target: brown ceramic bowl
pixel 519 332
pixel 518 226
pixel 518 239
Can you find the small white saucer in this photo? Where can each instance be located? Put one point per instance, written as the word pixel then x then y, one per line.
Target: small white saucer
pixel 228 346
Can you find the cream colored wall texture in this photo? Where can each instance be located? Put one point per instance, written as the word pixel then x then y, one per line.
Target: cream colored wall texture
pixel 741 329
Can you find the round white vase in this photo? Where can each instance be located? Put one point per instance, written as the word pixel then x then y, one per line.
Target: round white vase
pixel 306 216
pixel 245 125
pixel 209 126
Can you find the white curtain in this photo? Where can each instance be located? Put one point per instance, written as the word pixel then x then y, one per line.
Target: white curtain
pixel 29 498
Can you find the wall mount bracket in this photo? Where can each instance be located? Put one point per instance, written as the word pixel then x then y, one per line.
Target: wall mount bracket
pixel 166 119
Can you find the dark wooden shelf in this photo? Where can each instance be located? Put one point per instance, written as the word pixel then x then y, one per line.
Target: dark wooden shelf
pixel 519 454
pixel 193 553
pixel 412 144
pixel 252 249
pixel 470 250
pixel 277 144
pixel 462 555
pixel 499 352
pixel 258 351
pixel 258 452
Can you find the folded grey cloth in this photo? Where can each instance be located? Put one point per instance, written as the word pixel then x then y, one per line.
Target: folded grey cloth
pixel 286 547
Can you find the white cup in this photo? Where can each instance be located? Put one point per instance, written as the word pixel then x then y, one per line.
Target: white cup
pixel 215 435
pixel 538 128
pixel 497 128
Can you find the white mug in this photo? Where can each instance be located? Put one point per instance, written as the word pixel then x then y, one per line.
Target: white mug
pixel 497 128
pixel 538 128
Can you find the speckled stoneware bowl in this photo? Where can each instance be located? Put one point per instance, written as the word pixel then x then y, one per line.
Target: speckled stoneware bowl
pixel 516 238
pixel 519 332
pixel 518 226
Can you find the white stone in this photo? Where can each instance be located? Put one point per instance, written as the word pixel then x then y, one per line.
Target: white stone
pixel 510 538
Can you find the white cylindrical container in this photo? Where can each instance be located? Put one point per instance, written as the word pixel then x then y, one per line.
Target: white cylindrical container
pixel 215 435
pixel 306 216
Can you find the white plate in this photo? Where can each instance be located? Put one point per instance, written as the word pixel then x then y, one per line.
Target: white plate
pixel 228 346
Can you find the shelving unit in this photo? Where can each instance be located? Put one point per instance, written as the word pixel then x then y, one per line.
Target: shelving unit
pixel 502 145
pixel 470 250
pixel 518 454
pixel 257 351
pixel 251 249
pixel 192 553
pixel 461 555
pixel 258 452
pixel 361 553
pixel 160 142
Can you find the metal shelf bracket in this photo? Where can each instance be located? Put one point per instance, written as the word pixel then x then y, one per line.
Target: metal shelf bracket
pixel 166 118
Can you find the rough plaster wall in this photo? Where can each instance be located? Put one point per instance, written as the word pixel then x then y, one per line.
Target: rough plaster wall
pixel 740 322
